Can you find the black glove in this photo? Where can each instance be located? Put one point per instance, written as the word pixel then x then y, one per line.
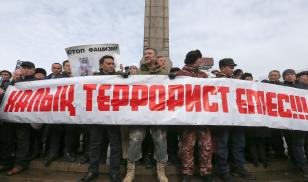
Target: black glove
pixel 172 75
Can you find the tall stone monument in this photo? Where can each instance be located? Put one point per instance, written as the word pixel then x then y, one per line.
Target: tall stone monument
pixel 156 27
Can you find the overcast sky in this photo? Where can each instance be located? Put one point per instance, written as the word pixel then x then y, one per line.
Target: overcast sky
pixel 259 35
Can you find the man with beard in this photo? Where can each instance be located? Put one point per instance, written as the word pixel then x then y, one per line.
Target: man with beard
pixel 137 133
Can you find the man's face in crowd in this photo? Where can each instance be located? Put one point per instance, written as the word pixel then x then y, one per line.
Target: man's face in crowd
pixel 108 65
pixel 303 79
pixel 149 55
pixel 26 71
pixel 248 78
pixel 17 74
pixel 161 61
pixel 274 76
pixel 238 76
pixel 290 77
pixel 56 69
pixel 5 75
pixel 67 68
pixel 227 70
pixel 39 76
pixel 197 63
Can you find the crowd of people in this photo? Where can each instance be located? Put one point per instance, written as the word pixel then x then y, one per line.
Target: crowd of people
pixel 223 148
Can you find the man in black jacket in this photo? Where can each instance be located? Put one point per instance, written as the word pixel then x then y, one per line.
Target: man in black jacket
pixel 6 129
pixel 230 139
pixel 295 139
pixel 276 139
pixel 23 130
pixel 107 67
pixel 53 132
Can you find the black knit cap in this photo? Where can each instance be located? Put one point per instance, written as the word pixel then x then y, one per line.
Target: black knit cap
pixel 27 64
pixel 192 56
pixel 41 70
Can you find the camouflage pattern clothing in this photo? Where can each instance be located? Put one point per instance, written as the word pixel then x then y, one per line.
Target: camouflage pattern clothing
pixel 189 138
pixel 191 135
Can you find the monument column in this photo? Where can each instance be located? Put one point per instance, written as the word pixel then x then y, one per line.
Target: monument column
pixel 156 27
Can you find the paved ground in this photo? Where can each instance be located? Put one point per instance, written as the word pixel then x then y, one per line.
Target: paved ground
pixel 47 176
pixel 279 171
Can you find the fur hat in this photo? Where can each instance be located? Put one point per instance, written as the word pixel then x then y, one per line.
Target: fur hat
pixel 192 56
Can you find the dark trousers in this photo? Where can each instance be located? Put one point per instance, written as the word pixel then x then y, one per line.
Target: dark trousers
pixel 55 139
pixel 23 144
pixel 276 142
pixel 71 137
pixel 235 138
pixel 172 141
pixel 86 140
pixel 306 144
pixel 96 139
pixel 7 143
pixel 256 146
pixel 296 142
pixel 36 142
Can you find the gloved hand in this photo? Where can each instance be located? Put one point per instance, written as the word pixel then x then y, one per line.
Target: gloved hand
pixel 172 75
pixel 124 74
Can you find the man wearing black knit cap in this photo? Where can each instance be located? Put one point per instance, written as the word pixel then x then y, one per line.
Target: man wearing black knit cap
pixel 233 136
pixel 295 139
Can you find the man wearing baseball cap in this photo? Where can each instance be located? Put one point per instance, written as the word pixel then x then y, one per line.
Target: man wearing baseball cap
pixel 23 130
pixel 233 136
